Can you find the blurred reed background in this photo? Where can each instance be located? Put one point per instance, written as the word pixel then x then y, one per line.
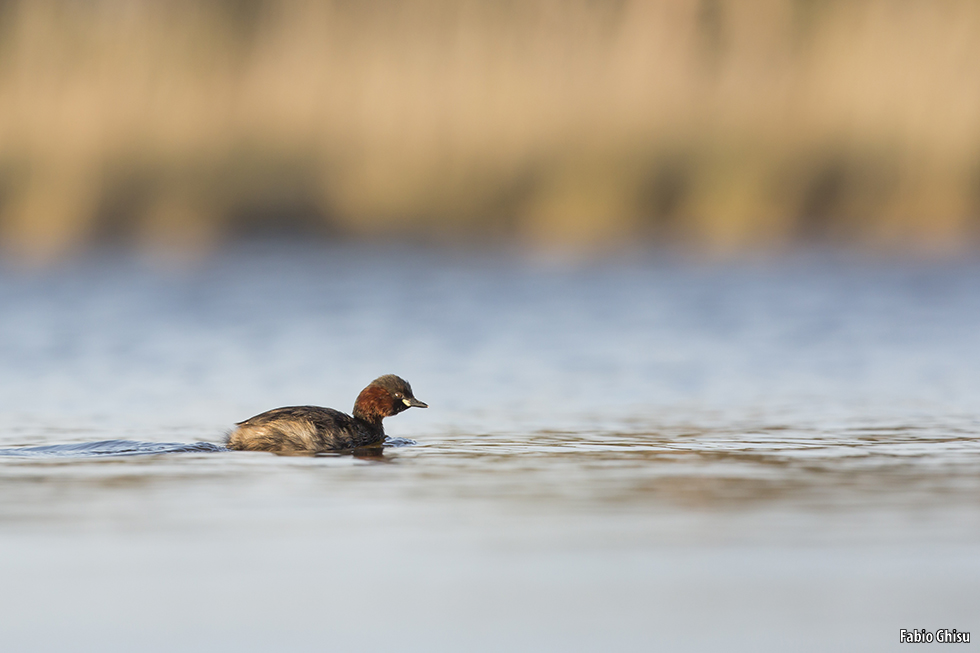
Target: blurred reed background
pixel 719 124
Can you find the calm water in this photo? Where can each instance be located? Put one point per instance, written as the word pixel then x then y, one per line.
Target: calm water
pixel 626 455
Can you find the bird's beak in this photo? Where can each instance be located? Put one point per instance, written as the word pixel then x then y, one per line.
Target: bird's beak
pixel 412 402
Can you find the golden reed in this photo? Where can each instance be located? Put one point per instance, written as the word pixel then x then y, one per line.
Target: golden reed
pixel 717 123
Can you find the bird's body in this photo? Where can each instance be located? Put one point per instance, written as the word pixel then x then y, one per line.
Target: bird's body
pixel 302 429
pixel 299 430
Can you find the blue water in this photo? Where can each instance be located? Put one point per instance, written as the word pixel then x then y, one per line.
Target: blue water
pixel 109 448
pixel 627 453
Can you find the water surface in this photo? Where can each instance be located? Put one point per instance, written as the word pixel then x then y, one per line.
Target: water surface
pixel 618 455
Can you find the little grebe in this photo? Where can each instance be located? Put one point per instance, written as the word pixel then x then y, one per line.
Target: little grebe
pixel 300 430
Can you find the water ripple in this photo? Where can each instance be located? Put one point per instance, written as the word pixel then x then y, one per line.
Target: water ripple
pixel 110 448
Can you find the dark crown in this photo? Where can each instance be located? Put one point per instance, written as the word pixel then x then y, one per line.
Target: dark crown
pixel 394 385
